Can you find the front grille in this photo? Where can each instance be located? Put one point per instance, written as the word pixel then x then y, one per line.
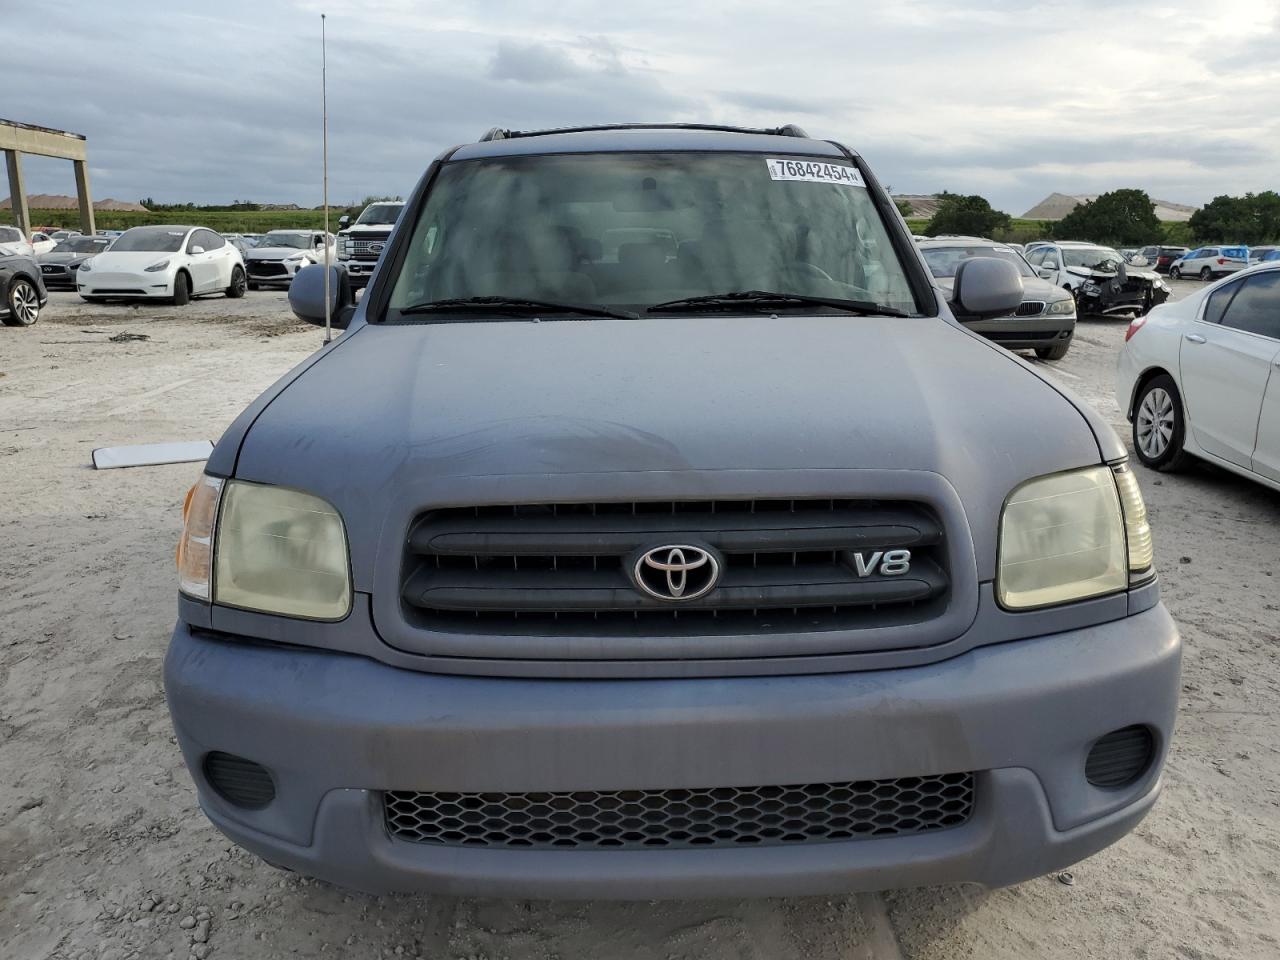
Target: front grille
pixel 786 565
pixel 367 246
pixel 1030 308
pixel 266 268
pixel 708 817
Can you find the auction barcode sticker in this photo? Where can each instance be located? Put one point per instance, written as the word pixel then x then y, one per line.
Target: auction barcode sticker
pixel 814 171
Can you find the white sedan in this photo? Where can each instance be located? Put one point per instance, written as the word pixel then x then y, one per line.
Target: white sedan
pixel 280 254
pixel 1201 377
pixel 175 263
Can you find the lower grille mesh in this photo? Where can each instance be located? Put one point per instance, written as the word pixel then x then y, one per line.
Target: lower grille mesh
pixel 708 817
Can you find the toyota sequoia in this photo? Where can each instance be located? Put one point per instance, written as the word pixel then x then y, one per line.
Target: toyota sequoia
pixel 655 528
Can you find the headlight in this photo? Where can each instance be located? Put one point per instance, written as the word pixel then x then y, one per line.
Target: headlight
pixel 1160 284
pixel 84 267
pixel 1060 307
pixel 1062 538
pixel 157 267
pixel 265 548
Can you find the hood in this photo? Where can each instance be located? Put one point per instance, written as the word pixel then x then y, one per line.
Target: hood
pixel 273 253
pixel 1133 273
pixel 435 413
pixel 131 261
pixel 1033 288
pixel 64 256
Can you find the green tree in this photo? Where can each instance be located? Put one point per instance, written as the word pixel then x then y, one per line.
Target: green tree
pixel 970 216
pixel 903 206
pixel 1252 219
pixel 1120 218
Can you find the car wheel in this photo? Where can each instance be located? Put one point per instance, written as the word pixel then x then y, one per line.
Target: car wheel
pixel 1158 425
pixel 1175 273
pixel 1056 352
pixel 236 290
pixel 181 290
pixel 24 304
pixel 1206 274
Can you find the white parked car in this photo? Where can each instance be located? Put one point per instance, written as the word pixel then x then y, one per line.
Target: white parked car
pixel 59 235
pixel 1201 377
pixel 279 254
pixel 14 244
pixel 1209 263
pixel 42 242
pixel 175 263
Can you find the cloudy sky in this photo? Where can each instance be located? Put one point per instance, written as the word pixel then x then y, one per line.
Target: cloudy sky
pixel 1008 99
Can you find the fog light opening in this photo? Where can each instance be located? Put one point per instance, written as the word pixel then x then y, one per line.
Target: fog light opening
pixel 239 781
pixel 1121 757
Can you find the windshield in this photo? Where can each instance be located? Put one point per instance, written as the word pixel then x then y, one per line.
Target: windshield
pixel 154 239
pixel 380 214
pixel 286 238
pixel 84 245
pixel 944 261
pixel 632 230
pixel 1102 259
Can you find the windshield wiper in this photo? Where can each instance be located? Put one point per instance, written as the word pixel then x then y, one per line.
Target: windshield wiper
pixel 512 305
pixel 764 298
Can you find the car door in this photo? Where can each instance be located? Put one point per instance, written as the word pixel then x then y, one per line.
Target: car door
pixel 1225 361
pixel 203 263
pixel 1266 321
pixel 224 256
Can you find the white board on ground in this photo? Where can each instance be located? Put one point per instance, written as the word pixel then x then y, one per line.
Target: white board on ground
pixel 151 454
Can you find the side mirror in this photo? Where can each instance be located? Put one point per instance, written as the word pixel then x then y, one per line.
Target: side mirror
pixel 306 295
pixel 1049 265
pixel 343 221
pixel 986 287
pixel 1138 260
pixel 195 250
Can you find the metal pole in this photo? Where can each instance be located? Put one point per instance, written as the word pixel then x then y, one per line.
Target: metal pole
pixel 324 109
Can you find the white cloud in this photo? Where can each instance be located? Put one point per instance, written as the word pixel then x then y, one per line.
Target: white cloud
pixel 1012 99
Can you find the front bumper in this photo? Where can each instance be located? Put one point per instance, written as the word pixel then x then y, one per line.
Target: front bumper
pixel 336 730
pixel 1026 333
pixel 56 276
pixel 128 285
pixel 270 276
pixel 360 271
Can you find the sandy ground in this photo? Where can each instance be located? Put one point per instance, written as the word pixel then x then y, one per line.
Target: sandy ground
pixel 104 855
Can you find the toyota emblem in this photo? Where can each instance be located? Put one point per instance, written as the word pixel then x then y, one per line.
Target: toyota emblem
pixel 676 572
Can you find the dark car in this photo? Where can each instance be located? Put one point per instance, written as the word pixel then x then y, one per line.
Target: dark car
pixel 58 267
pixel 1159 258
pixel 24 292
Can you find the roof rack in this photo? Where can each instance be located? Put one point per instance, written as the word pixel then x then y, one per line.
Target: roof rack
pixel 786 130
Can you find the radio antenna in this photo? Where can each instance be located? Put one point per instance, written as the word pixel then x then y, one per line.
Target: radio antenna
pixel 324 121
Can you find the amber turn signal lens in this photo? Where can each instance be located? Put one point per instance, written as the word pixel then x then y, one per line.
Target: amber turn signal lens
pixel 195 548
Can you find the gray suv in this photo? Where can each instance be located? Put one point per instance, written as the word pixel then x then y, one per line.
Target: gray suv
pixel 655 529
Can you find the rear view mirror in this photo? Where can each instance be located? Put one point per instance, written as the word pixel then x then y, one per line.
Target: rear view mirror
pixel 306 295
pixel 986 287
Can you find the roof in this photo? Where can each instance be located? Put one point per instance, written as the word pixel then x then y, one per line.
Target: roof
pixel 1057 205
pixel 645 139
